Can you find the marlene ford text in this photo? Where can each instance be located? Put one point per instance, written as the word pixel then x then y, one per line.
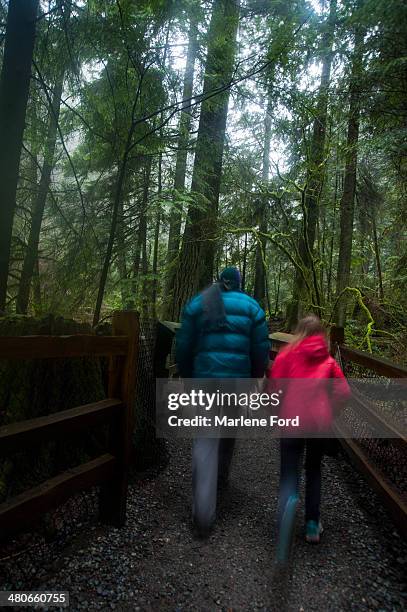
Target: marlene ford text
pixel 224 421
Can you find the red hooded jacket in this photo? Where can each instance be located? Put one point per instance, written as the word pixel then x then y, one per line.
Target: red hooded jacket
pixel 314 402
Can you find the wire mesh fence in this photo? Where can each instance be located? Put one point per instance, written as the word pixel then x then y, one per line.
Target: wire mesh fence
pixel 387 455
pixel 150 453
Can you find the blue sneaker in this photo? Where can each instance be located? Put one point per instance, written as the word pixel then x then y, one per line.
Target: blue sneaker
pixel 286 530
pixel 313 531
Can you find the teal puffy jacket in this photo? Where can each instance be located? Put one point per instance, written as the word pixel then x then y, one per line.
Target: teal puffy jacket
pixel 240 349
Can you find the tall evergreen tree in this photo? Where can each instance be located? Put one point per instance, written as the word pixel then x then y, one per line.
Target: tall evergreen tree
pixel 185 122
pixel 315 177
pixel 347 204
pixel 196 261
pixel 14 88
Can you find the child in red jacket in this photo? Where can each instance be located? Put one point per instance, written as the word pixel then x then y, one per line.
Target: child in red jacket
pixel 314 403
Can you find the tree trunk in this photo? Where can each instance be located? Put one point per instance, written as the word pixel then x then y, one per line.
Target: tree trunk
pixel 141 236
pixel 14 87
pixel 113 225
pixel 156 241
pixel 363 235
pixel 333 234
pixel 369 199
pixel 347 204
pixel 144 294
pixel 244 266
pixel 315 176
pixel 259 271
pixel 37 289
pixel 322 246
pixel 278 290
pixel 174 236
pixel 155 262
pixel 196 260
pixel 377 255
pixel 121 256
pixel 31 254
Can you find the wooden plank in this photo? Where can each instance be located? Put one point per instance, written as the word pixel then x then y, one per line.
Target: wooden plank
pixel 278 339
pixel 395 505
pixel 378 364
pixel 122 382
pixel 18 436
pixel 171 325
pixel 281 337
pixel 53 347
pixel 24 509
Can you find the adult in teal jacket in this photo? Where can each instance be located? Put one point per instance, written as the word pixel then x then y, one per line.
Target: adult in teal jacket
pixel 223 334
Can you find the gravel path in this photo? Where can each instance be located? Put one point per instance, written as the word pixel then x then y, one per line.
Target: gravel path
pixel 154 563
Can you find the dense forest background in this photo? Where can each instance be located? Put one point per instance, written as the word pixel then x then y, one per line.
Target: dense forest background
pixel 147 144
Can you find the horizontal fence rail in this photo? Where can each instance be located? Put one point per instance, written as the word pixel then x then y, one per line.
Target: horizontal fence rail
pixel 56 426
pixel 54 347
pixel 379 365
pixel 26 507
pixel 110 470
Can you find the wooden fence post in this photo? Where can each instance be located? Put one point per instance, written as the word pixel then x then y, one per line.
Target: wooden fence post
pixel 163 344
pixel 336 336
pixel 122 382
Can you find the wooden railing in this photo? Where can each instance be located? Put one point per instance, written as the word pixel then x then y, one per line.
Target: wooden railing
pixel 380 365
pixel 277 340
pixel 377 474
pixel 110 470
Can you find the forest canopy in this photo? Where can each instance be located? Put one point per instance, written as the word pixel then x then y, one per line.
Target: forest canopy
pixel 146 145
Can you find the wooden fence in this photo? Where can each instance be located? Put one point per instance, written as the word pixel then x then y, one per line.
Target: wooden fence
pixel 109 470
pixel 362 452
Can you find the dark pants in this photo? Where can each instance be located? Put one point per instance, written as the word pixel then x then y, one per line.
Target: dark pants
pixel 211 458
pixel 291 453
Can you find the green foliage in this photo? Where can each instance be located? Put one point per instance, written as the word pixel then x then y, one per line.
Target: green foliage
pixel 124 69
